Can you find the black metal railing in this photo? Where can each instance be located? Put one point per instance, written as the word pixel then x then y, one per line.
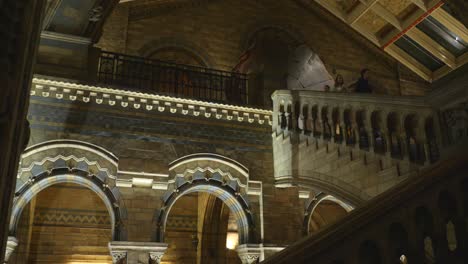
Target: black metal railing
pixel 146 75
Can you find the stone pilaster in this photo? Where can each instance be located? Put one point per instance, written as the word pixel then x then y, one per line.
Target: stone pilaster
pixel 12 243
pixel 249 253
pixel 136 252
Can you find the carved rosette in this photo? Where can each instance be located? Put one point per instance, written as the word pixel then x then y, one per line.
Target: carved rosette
pixel 118 256
pixel 156 256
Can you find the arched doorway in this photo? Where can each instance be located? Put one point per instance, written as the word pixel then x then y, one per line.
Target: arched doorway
pixel 322 211
pixel 201 229
pixel 64 223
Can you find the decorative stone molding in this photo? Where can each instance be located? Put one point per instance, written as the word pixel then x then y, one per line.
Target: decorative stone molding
pixel 12 243
pixel 149 102
pixel 249 253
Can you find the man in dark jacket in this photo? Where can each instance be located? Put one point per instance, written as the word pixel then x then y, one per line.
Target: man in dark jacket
pixel 362 85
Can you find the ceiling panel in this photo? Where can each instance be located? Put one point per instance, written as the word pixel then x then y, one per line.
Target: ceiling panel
pixel 419 53
pixel 372 21
pixel 446 38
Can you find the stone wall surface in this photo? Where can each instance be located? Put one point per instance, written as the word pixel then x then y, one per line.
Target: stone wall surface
pixel 147 142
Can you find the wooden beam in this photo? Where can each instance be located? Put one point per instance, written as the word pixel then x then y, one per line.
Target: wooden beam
pixel 367 33
pixel 451 23
pixel 432 46
pixel 337 12
pixel 410 22
pixel 460 61
pixel 383 12
pixel 360 10
pixel 409 62
pixel 421 4
pixel 341 15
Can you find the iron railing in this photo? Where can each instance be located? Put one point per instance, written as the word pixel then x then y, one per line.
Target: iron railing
pixel 146 75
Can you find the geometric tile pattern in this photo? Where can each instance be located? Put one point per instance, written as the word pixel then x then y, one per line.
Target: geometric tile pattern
pixel 181 222
pixel 67 217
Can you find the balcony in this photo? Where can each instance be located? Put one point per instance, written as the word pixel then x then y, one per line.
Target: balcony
pixel 165 78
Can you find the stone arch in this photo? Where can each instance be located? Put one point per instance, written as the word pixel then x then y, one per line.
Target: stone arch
pixel 254 29
pixel 330 185
pixel 314 202
pixel 69 161
pixel 220 176
pixel 179 43
pixel 238 206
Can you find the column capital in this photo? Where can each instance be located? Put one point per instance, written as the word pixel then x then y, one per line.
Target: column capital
pixel 118 256
pixel 249 253
pixel 135 252
pixel 156 256
pixel 12 243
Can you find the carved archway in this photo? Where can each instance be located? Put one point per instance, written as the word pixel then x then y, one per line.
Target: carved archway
pixel 219 176
pixel 43 165
pixel 316 201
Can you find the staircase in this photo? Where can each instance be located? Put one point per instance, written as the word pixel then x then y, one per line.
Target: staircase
pixel 420 220
pixel 352 146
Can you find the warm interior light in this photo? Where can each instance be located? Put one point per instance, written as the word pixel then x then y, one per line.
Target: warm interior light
pixel 232 240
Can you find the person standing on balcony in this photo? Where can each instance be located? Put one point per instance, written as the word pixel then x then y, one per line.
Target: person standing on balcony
pixel 339 84
pixel 362 85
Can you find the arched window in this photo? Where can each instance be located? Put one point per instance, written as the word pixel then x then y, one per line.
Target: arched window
pixel 424 225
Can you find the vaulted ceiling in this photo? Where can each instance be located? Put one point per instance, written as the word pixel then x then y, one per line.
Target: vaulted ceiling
pixel 424 35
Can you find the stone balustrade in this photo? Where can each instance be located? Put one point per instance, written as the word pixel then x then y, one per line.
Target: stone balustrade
pixel 421 220
pixel 401 127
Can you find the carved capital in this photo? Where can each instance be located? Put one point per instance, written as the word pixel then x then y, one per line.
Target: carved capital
pixel 249 253
pixel 118 256
pixel 12 243
pixel 249 258
pixel 156 256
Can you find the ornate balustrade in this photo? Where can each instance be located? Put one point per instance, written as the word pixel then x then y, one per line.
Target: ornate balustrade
pixel 400 127
pixel 421 220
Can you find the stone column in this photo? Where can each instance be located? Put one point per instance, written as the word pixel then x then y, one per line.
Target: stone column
pixel 249 253
pixel 12 243
pixel 136 252
pixel 21 20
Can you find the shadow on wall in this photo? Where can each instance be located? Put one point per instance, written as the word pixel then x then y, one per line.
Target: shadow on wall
pixel 275 60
